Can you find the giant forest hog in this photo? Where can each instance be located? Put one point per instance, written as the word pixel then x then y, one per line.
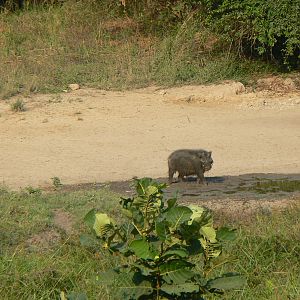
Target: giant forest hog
pixel 189 162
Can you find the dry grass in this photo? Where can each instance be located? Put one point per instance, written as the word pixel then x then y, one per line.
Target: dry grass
pixel 45 49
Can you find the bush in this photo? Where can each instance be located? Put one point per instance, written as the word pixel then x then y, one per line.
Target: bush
pixel 253 27
pixel 170 249
pixel 266 28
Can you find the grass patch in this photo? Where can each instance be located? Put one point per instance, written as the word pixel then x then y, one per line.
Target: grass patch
pixel 46 49
pixel 273 186
pixel 29 273
pixel 267 249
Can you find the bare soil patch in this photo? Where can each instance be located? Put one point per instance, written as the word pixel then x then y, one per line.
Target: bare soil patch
pixel 46 239
pixel 63 220
pixel 90 135
pixel 43 240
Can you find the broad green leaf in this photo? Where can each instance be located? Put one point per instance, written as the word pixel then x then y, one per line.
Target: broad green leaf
pixel 161 230
pixel 203 243
pixel 126 229
pixel 128 287
pixel 178 215
pixel 102 224
pixel 127 213
pixel 194 247
pixel 145 206
pixel 176 271
pixel 226 234
pixel 176 252
pixel 201 215
pixel 227 282
pixel 197 213
pixel 209 233
pixel 177 289
pixel 124 285
pixel 89 218
pixel 211 249
pixel 151 190
pixel 144 269
pixel 171 202
pixel 142 184
pixel 142 249
pixel 214 252
pixel 135 291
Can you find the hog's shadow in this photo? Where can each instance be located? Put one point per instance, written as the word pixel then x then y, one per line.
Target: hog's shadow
pixel 194 179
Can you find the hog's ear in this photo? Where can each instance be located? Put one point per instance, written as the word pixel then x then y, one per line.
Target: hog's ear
pixel 209 153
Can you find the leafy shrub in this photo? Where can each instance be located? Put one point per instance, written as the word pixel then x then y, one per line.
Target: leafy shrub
pixel 170 248
pixel 269 28
pixel 253 27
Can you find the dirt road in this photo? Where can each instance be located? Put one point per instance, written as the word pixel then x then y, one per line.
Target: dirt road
pixel 92 135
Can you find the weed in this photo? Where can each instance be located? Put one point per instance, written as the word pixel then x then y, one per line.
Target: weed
pixel 30 190
pixel 18 106
pixel 56 182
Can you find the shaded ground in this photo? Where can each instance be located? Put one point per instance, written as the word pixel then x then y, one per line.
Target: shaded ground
pixel 243 193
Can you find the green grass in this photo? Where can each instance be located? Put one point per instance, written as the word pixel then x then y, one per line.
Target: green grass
pixel 267 249
pixel 26 272
pixel 87 42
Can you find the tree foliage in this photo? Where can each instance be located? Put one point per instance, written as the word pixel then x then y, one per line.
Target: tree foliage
pixel 263 27
pixel 270 29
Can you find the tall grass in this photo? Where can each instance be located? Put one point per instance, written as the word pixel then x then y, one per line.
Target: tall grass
pixel 267 251
pixel 46 48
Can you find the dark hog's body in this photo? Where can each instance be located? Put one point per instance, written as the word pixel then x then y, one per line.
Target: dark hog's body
pixel 189 162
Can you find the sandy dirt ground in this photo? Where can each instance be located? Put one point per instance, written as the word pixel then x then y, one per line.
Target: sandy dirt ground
pixel 91 135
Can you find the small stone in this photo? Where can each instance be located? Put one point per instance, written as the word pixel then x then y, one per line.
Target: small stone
pixel 45 121
pixel 162 92
pixel 289 83
pixel 239 88
pixel 74 86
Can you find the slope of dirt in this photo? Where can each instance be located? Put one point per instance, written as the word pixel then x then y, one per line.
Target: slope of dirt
pixel 92 135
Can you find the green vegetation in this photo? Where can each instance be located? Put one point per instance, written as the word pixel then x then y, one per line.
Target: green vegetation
pixel 18 105
pixel 273 186
pixel 266 250
pixel 170 248
pixel 56 182
pixel 34 262
pixel 267 28
pixel 103 44
pixel 266 186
